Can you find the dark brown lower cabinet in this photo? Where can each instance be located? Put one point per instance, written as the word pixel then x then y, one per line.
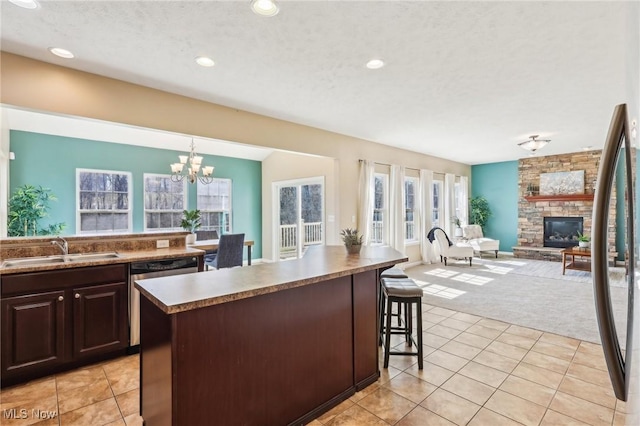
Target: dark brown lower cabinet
pixel 98 313
pixel 57 320
pixel 33 332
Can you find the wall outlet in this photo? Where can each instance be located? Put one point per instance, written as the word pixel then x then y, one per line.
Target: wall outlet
pixel 162 243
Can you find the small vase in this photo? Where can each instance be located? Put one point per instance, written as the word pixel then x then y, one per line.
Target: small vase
pixel 191 238
pixel 584 244
pixel 354 248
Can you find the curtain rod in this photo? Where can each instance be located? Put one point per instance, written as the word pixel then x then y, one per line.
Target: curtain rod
pixel 410 168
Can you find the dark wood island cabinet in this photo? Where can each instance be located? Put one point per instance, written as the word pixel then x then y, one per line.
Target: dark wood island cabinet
pixel 274 344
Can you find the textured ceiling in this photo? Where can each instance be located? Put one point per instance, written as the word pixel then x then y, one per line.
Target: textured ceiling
pixel 464 80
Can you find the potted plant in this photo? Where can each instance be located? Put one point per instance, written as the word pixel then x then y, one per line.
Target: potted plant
pixel 352 240
pixel 480 211
pixel 458 230
pixel 27 206
pixel 191 222
pixel 584 241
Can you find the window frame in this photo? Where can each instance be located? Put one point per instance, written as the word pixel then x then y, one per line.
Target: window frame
pixel 128 211
pixel 229 211
pixel 439 183
pixel 384 210
pixel 185 204
pixel 416 230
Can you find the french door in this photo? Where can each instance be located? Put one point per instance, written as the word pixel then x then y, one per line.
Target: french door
pixel 298 217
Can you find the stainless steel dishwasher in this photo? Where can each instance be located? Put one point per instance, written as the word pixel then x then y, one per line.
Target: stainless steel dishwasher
pixel 152 269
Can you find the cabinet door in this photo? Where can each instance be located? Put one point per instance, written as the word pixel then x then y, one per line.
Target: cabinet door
pixel 32 332
pixel 100 319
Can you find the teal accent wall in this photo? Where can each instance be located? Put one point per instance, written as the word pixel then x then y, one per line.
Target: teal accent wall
pixel 498 183
pixel 51 161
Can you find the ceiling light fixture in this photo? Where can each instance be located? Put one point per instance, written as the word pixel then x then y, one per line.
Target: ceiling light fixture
pixel 375 64
pixel 533 143
pixel 63 53
pixel 265 7
pixel 587 148
pixel 194 163
pixel 26 4
pixel 205 61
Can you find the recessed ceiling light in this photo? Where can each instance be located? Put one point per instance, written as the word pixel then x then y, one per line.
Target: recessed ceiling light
pixel 63 53
pixel 205 61
pixel 265 7
pixel 587 148
pixel 375 64
pixel 26 4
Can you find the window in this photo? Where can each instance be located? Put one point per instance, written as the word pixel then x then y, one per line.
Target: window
pixel 410 185
pixel 103 201
pixel 438 204
pixel 164 201
pixel 380 202
pixel 214 203
pixel 456 200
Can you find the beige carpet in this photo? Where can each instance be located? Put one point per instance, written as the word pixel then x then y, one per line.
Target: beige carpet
pixel 525 292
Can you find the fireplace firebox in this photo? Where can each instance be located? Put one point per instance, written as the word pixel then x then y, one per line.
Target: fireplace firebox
pixel 562 231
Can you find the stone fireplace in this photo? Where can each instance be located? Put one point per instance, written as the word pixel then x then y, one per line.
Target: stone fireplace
pixel 533 208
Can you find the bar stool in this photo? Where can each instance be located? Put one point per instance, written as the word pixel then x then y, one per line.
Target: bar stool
pixel 394 272
pixel 402 291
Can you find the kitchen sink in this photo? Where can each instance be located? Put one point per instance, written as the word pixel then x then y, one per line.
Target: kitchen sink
pixel 32 261
pixel 48 260
pixel 87 257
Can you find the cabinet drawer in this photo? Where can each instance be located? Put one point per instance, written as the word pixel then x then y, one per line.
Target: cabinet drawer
pixel 61 279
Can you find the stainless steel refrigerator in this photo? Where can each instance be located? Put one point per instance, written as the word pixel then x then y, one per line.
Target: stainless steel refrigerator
pixel 618 166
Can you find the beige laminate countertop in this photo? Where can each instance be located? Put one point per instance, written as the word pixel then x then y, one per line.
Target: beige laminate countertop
pixel 192 291
pixel 124 257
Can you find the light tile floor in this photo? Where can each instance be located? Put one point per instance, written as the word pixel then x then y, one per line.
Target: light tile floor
pixel 477 371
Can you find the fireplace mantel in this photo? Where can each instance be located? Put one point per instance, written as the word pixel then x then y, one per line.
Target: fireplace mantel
pixel 560 197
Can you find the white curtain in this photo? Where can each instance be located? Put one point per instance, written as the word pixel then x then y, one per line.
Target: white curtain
pixel 397 208
pixel 365 200
pixel 464 200
pixel 425 214
pixel 449 203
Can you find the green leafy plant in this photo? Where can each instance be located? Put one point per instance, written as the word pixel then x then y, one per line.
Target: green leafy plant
pixel 350 237
pixel 480 211
pixel 27 206
pixel 191 220
pixel 456 221
pixel 584 238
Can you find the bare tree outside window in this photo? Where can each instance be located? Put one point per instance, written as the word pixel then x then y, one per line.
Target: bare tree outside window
pixel 164 201
pixel 379 208
pixel 214 203
pixel 410 185
pixel 103 201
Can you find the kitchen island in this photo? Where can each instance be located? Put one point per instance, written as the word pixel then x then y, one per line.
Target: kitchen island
pixel 271 344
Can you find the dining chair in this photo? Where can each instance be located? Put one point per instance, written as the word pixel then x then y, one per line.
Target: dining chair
pixel 229 254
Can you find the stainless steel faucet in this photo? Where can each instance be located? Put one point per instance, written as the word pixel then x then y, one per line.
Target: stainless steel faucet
pixel 64 246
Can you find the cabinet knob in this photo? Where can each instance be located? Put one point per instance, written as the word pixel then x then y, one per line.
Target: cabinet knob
pixel 77 295
pixel 60 298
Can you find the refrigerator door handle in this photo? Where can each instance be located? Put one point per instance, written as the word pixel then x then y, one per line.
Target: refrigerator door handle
pixel 604 312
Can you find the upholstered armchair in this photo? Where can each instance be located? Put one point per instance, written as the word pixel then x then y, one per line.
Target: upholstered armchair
pixel 473 235
pixel 445 251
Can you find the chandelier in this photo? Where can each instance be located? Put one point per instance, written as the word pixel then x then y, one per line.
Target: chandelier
pixel 533 143
pixel 194 163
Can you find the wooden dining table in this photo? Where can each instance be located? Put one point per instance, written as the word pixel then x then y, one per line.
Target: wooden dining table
pixel 213 245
